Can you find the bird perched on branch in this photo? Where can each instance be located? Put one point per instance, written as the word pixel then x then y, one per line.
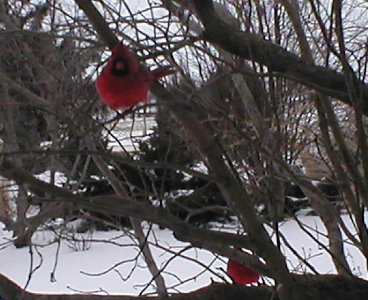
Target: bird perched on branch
pixel 241 274
pixel 124 82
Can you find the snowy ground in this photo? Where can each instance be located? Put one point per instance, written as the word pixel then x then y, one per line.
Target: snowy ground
pixel 113 254
pixel 127 133
pixel 105 262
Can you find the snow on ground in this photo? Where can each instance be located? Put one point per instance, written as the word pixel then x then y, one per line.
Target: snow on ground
pixel 107 263
pixel 117 248
pixel 78 270
pixel 128 133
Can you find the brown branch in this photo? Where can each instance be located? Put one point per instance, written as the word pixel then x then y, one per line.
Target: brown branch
pixel 317 200
pixel 114 157
pixel 98 22
pixel 136 223
pixel 31 98
pixel 20 176
pixel 252 47
pixel 230 187
pixel 118 206
pixel 228 184
pixel 201 238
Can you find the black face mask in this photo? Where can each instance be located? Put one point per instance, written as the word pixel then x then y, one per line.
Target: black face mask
pixel 120 72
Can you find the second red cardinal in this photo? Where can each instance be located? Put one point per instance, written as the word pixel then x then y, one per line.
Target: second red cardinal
pixel 240 273
pixel 123 82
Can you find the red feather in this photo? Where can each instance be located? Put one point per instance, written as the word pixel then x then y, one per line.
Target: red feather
pixel 123 82
pixel 240 273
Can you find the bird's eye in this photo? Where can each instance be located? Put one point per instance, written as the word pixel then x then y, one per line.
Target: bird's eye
pixel 120 68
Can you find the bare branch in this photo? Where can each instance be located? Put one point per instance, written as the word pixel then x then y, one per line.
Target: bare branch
pixel 250 46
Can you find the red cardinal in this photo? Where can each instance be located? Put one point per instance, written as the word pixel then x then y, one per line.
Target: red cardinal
pixel 241 274
pixel 123 81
